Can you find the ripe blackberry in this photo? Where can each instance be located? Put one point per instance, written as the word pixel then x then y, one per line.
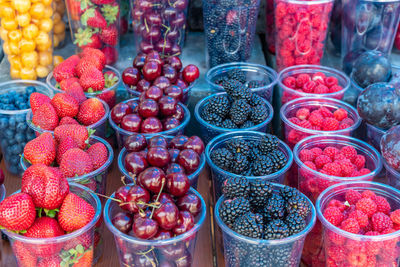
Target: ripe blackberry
pixel 239 111
pixel 256 100
pixel 235 253
pixel 278 159
pixel 236 187
pixel 260 190
pixel 238 146
pixel 298 204
pixel 296 223
pixel 238 75
pixel 240 163
pixel 228 124
pixel 256 84
pixel 263 166
pixel 288 192
pixel 222 157
pixel 211 117
pixel 259 114
pixel 276 229
pixel 220 105
pixel 230 85
pixel 231 209
pixel 282 256
pixel 256 259
pixel 254 154
pixel 275 208
pixel 247 124
pixel 249 224
pixel 241 92
pixel 220 80
pixel 268 143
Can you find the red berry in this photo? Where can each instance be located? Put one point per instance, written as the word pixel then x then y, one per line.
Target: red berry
pixel 352 196
pixel 333 215
pixel 305 124
pixel 321 160
pixel 395 216
pixel 303 113
pixel 382 204
pixel 316 119
pixel 359 161
pixel 331 152
pixel 347 168
pixel 340 114
pixel 335 88
pixel 325 112
pixel 368 194
pixel 316 150
pixel 367 205
pixel 332 168
pixel 302 79
pixel 309 87
pixel 306 155
pixel 349 152
pixel 330 124
pixel 360 216
pixel 321 89
pixel 290 82
pixel 310 164
pixel 381 222
pixel 331 81
pixel 350 225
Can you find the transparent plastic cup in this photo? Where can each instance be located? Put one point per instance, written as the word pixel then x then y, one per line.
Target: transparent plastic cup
pixel 230 30
pixel 301 28
pixel 294 133
pixel 383 250
pixel 266 76
pixel 14 133
pixel 2 192
pixel 219 175
pixel 209 131
pixel 270 26
pixel 238 248
pixel 392 176
pixel 374 136
pixel 287 94
pixel 99 127
pixel 131 249
pixel 38 249
pixel 312 183
pixel 122 134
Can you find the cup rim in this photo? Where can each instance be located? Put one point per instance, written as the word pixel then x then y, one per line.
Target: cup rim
pixel 191 232
pixel 228 136
pixel 256 241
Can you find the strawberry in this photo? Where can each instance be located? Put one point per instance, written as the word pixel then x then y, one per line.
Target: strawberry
pixel 102 2
pixel 109 35
pixel 45 185
pixel 76 91
pixel 78 132
pixel 75 213
pixel 91 111
pixel 68 120
pixel 110 12
pixel 49 262
pixel 24 254
pixel 92 80
pixel 91 52
pixel 85 259
pixel 65 105
pixel 111 54
pixel 42 149
pixel 65 144
pixel 93 18
pixel 45 117
pixel 65 84
pixel 98 153
pixel 87 38
pixel 110 78
pixel 44 227
pixel 76 162
pixel 86 63
pixel 85 240
pixel 76 7
pixel 17 212
pixel 109 97
pixel 38 99
pixel 66 69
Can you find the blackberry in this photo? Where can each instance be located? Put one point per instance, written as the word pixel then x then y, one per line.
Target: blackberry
pixel 239 164
pixel 257 260
pixel 220 80
pixel 296 223
pixel 238 75
pixel 239 112
pixel 298 204
pixel 288 192
pixel 260 190
pixel 268 143
pixel 220 105
pixel 231 209
pixel 211 117
pixel 263 166
pixel 278 159
pixel 247 124
pixel 236 187
pixel 256 100
pixel 249 224
pixel 222 157
pixel 228 124
pixel 254 154
pixel 238 146
pixel 276 229
pixel 259 114
pixel 282 256
pixel 275 208
pixel 256 84
pixel 230 85
pixel 241 92
pixel 235 252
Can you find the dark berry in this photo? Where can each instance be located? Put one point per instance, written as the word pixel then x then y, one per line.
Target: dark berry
pixel 239 164
pixel 275 208
pixel 228 124
pixel 298 204
pixel 259 114
pixel 260 190
pixel 223 158
pixel 238 146
pixel 263 166
pixel 239 111
pixel 256 100
pixel 220 105
pixel 236 187
pixel 238 75
pixel 249 224
pixel 278 159
pixel 268 143
pixel 295 222
pixel 288 192
pixel 276 229
pixel 233 208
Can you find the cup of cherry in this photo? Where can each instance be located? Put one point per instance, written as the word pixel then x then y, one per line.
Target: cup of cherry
pixel 164 154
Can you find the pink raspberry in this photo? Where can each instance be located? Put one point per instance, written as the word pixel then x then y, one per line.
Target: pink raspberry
pixel 305 124
pixel 290 82
pixel 352 196
pixel 316 150
pixel 349 152
pixel 332 168
pixel 338 204
pixel 321 89
pixel 294 136
pixel 347 121
pixel 395 216
pixel 337 253
pixel 343 126
pixel 330 124
pixel 382 204
pixel 335 238
pixel 360 216
pixel 306 155
pixel 310 165
pixel 295 120
pixel 302 79
pixel 325 112
pixel 367 205
pixel 335 88
pixel 339 157
pixel 318 77
pixel 321 160
pixel 331 151
pixel 316 119
pixel 380 222
pixel 331 81
pixel 359 161
pixel 371 246
pixel 303 113
pixel 347 168
pixel 350 225
pixel 309 87
pixel 364 171
pixel 340 114
pixel 333 215
pixel 355 174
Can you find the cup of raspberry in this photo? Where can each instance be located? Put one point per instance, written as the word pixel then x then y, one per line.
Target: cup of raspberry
pixel 307 116
pixel 312 80
pixel 301 28
pixel 361 222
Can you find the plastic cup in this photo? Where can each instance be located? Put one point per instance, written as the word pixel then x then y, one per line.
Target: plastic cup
pixel 254 72
pixel 14 133
pixel 2 192
pixel 374 136
pixel 381 249
pixel 131 249
pixel 238 248
pixel 301 28
pixel 45 248
pixel 219 175
pixel 122 134
pixel 294 133
pixel 270 26
pixel 99 127
pixel 230 29
pixel 287 94
pixel 392 176
pixel 209 131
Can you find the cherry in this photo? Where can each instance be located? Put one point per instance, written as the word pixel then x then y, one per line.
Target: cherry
pixel 175 168
pixel 171 123
pixel 151 35
pixel 154 56
pixel 169 13
pixel 119 111
pixel 135 163
pixel 166 264
pixel 158 141
pixel 174 153
pixel 145 260
pixel 145 47
pixel 122 221
pixel 190 73
pixel 180 113
pixel 180 83
pixel 162 235
pixel 148 108
pixel 135 194
pixel 158 156
pixel 176 50
pixel 162 82
pixel 190 203
pixel 144 228
pixel 180 4
pixel 173 251
pixel 166 215
pixel 144 5
pixel 196 144
pixel 189 160
pixel 153 19
pixel 127 258
pixel 179 21
pixel 135 143
pixel 185 261
pixel 178 141
pixel 137 14
pixel 167 105
pixel 134 105
pixel 175 62
pixel 184 224
pixel 173 36
pixel 175 92
pixel 143 85
pixel 163 46
pixel 152 179
pixel 131 76
pixel 131 123
pixel 170 73
pixel 138 61
pixel 178 184
pixel 164 198
pixel 122 193
pixel 151 125
pixel 151 70
pixel 154 93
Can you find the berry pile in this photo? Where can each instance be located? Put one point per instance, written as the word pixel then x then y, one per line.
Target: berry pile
pixel 250 158
pixel 256 210
pixel 180 155
pixel 362 213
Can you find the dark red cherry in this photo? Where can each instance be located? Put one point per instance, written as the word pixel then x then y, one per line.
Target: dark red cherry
pixel 174 251
pixel 173 35
pixel 163 47
pixel 152 179
pixel 119 111
pixel 122 221
pixel 179 21
pixel 145 47
pixel 135 143
pixel 195 143
pixel 151 70
pixel 178 184
pixel 166 264
pixel 167 215
pixel 167 105
pixel 148 108
pixel 158 141
pixel 131 76
pixel 189 160
pixel 190 73
pixel 153 19
pixel 2 177
pixel 185 261
pixel 175 92
pixel 180 4
pixel 151 125
pixel 175 62
pixel 136 194
pixel 151 35
pixel 162 235
pixel 169 13
pixel 154 93
pixel 164 198
pixel 144 5
pixel 134 105
pixel 143 85
pixel 145 228
pixel 145 260
pixel 171 123
pixel 162 82
pixel 131 123
pixel 191 203
pixel 174 153
pixel 180 83
pixel 185 223
pixel 178 141
pixel 137 14
pixel 170 73
pixel 176 50
pixel 180 113
pixel 122 192
pixel 135 163
pixel 138 61
pixel 154 56
pixel 174 168
pixel 158 156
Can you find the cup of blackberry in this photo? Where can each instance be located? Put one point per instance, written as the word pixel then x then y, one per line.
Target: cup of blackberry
pixel 263 223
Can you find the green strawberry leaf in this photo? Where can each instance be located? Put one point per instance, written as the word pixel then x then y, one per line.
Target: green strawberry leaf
pixel 51 213
pixel 57 84
pixel 80 249
pixel 72 251
pixel 39 212
pixel 83 36
pixel 110 13
pixel 87 15
pixel 91 132
pixel 85 4
pixel 110 80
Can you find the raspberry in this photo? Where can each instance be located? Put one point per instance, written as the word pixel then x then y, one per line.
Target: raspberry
pixel 367 205
pixel 350 225
pixel 364 171
pixel 368 194
pixel 359 161
pixel 357 258
pixel 338 204
pixel 352 196
pixel 321 160
pixel 336 238
pixel 306 155
pixel 380 222
pixel 303 113
pixel 333 215
pixel 310 165
pixel 318 77
pixel 382 204
pixel 360 216
pixel 309 87
pixel 340 114
pixel 305 124
pixel 396 227
pixel 331 151
pixel 355 174
pixel 316 119
pixel 337 253
pixel 331 81
pixel 332 169
pixel 347 121
pixel 316 128
pixel 371 246
pixel 290 82
pixel 335 88
pixel 339 157
pixel 294 136
pixel 349 152
pixel 321 89
pixel 330 124
pixel 325 112
pixel 302 79
pixel 295 120
pixel 347 168
pixel 343 126
pixel 317 151
pixel 395 216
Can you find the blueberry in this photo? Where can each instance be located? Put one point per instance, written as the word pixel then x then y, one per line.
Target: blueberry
pixel 12 123
pixel 21 127
pixel 13 169
pixel 4 143
pixel 20 117
pixel 14 160
pixel 30 135
pixel 9 134
pixel 16 149
pixel 11 141
pixel 19 137
pixel 30 89
pixel 3 123
pixel 23 106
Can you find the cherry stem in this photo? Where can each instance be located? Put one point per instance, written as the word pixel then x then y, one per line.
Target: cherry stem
pixel 123 180
pixel 158 196
pixel 114 199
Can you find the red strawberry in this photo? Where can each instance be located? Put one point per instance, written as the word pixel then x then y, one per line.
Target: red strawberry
pixel 75 213
pixel 87 38
pixel 65 105
pixel 38 99
pixel 91 52
pixel 76 91
pixel 109 35
pixel 65 84
pixel 44 227
pixel 76 162
pixel 109 97
pixel 23 254
pixel 85 259
pixel 66 144
pixel 91 111
pixel 45 117
pixel 92 80
pixel 42 149
pixel 66 69
pixel 49 262
pixel 17 212
pixel 45 185
pixel 102 2
pixel 85 240
pixel 76 7
pixel 78 132
pixel 93 18
pixel 86 63
pixel 98 153
pixel 111 54
pixel 68 120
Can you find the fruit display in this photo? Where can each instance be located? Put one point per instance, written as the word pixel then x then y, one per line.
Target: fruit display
pixel 165 76
pixel 162 155
pixel 155 222
pixel 229 27
pixel 159 26
pixel 59 24
pixel 312 80
pixel 95 24
pixel 49 221
pixel 301 29
pixel 270 26
pixel 361 222
pixel 27 34
pixel 252 213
